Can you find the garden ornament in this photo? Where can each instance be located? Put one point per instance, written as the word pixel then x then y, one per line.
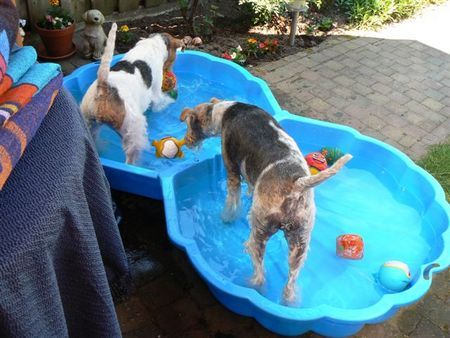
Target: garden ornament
pixel 93 35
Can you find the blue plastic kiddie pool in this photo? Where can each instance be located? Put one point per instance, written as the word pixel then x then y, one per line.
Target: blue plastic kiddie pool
pixel 398 208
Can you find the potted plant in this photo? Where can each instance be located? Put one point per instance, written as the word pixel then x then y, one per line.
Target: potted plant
pixel 56 31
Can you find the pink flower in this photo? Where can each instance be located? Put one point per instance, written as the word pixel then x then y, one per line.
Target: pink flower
pixel 262 45
pixel 48 18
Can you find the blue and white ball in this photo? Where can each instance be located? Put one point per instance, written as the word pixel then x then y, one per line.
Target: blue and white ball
pixel 394 275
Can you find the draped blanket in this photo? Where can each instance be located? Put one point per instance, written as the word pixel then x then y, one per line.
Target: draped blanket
pixel 27 90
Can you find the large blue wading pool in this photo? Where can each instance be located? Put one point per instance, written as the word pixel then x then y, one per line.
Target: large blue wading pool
pixel 398 208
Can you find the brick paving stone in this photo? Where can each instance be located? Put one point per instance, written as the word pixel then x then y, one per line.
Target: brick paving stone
pixel 409 319
pixel 334 65
pixel 132 314
pixel 179 316
pixel 432 104
pixel 163 291
pixel 149 330
pixel 381 88
pixel 375 122
pixel 407 141
pixel 398 97
pixel 219 319
pixel 427 329
pixel 392 133
pixel 344 81
pixel 416 95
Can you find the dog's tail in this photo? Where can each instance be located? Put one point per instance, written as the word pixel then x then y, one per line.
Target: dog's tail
pixel 105 63
pixel 313 180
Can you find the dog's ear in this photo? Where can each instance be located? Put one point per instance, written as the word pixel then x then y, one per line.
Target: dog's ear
pixel 185 113
pixel 214 100
pixel 177 43
pixel 85 14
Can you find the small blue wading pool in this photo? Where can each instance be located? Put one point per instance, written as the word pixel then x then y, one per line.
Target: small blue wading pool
pixel 398 209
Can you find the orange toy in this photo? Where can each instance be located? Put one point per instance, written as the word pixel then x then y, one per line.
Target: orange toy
pixel 350 246
pixel 316 162
pixel 169 81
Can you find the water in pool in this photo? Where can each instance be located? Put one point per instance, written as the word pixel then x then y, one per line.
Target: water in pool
pixel 354 201
pixel 193 90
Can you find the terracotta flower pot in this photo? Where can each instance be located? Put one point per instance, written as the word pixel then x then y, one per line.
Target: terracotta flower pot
pixel 57 42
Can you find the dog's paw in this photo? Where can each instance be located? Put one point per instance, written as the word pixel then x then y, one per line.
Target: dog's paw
pixel 290 295
pixel 229 215
pixel 257 280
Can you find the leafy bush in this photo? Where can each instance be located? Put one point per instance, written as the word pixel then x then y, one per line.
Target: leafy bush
pixel 265 12
pixel 201 15
pixel 373 13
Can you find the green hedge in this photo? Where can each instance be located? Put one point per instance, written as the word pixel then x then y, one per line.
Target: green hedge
pixel 373 13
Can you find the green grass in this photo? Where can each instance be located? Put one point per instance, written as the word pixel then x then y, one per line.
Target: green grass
pixel 437 163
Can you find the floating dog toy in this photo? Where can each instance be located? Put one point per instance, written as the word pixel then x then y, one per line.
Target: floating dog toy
pixel 168 147
pixel 169 84
pixel 394 275
pixel 350 246
pixel 331 154
pixel 316 162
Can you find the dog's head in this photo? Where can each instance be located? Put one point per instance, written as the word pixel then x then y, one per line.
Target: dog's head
pixel 93 17
pixel 199 122
pixel 172 45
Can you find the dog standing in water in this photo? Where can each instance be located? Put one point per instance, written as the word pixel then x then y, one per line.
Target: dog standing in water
pixel 121 95
pixel 255 147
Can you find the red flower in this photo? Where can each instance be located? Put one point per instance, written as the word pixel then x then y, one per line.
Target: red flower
pixel 262 45
pixel 275 42
pixel 226 56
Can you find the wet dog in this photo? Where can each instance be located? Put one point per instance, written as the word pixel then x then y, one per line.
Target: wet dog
pixel 256 148
pixel 120 95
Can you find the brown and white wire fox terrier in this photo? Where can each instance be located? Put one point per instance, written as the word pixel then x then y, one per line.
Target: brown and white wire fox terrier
pixel 255 147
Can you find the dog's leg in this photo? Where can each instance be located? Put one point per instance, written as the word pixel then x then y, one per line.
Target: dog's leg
pixel 134 136
pixel 233 202
pixel 298 242
pixel 256 247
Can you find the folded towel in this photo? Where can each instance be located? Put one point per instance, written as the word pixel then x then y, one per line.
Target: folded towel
pixel 22 91
pixel 27 91
pixel 17 132
pixel 19 62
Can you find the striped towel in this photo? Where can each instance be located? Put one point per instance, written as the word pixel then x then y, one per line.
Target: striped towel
pixel 27 90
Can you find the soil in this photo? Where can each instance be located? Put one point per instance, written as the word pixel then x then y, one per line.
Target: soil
pixel 226 35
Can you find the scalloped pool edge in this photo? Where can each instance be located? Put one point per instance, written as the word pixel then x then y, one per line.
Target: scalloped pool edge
pixel 323 319
pixel 146 182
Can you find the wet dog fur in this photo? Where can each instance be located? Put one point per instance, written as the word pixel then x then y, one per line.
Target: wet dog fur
pixel 121 94
pixel 257 149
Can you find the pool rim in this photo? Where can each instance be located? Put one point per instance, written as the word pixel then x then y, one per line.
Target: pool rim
pixel 349 316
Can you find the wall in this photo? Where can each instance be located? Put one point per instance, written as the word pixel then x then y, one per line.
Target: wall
pixel 34 10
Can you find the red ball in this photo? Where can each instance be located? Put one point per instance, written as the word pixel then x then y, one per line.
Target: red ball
pixel 350 246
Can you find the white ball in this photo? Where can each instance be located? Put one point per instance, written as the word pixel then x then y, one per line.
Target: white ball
pixel 170 149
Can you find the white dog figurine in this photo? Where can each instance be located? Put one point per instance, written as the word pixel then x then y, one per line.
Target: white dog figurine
pixel 94 36
pixel 121 95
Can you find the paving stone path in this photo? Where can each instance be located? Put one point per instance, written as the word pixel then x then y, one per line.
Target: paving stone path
pixel 397 91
